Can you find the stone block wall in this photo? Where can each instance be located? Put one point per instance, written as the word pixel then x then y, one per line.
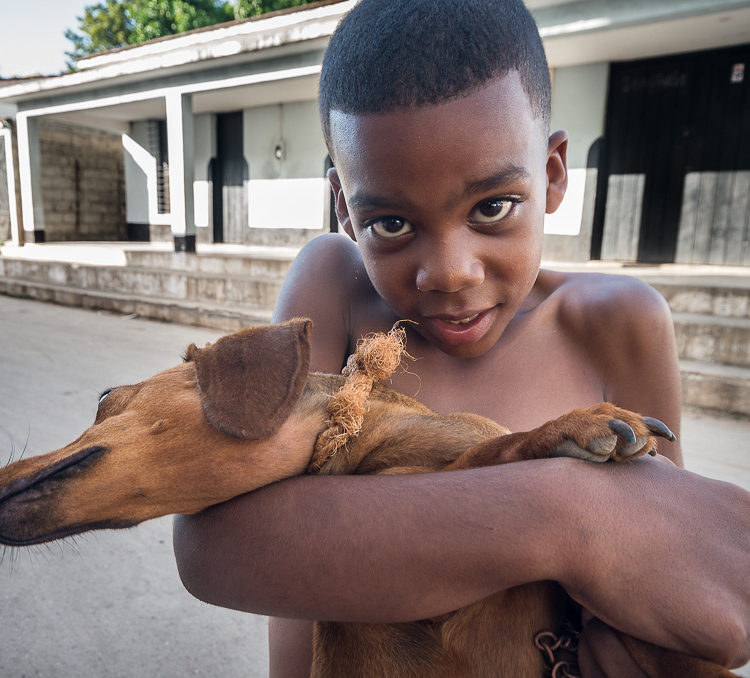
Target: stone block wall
pixel 83 183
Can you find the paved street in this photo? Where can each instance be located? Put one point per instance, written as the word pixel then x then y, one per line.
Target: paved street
pixel 110 604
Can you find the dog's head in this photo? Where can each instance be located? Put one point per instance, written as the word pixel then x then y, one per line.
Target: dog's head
pixel 197 434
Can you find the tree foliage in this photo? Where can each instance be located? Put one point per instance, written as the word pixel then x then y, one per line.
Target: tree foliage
pixel 109 24
pixel 250 8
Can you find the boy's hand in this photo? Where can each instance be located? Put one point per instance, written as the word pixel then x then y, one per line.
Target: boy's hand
pixel 692 592
pixel 601 654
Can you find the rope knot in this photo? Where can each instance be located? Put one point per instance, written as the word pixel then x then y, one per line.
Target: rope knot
pixel 376 357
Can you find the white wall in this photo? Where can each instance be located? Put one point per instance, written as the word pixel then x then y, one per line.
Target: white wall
pixel 290 192
pixel 579 98
pixel 140 177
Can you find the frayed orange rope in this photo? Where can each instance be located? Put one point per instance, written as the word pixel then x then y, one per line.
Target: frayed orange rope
pixel 376 357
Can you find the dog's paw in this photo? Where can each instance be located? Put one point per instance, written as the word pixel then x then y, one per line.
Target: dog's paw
pixel 606 432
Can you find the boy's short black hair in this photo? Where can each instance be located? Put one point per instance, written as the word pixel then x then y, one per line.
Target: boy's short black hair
pixel 388 54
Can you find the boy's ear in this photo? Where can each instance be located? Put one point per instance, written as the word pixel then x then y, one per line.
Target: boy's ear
pixel 557 170
pixel 342 211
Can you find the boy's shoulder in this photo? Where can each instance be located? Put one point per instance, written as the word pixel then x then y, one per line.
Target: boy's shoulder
pixel 602 309
pixel 592 297
pixel 330 268
pixel 622 326
pixel 328 283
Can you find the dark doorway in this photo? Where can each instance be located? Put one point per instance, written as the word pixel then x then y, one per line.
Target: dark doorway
pixel 229 174
pixel 677 136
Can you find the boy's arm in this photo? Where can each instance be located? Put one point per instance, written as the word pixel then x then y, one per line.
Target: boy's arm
pixel 397 548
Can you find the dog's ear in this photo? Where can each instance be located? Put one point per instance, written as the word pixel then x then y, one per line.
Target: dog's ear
pixel 250 381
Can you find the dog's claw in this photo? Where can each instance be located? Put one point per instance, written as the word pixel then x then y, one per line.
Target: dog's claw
pixel 623 430
pixel 659 428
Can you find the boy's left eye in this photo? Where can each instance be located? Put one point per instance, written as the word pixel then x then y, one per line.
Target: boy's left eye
pixel 490 211
pixel 390 227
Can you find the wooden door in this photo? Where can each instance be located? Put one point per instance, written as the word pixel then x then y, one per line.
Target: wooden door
pixel 675 174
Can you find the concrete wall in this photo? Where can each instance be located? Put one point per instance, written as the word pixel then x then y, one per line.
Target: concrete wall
pixel 579 98
pixel 83 185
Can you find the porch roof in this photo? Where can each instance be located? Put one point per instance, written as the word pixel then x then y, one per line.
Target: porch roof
pixel 254 56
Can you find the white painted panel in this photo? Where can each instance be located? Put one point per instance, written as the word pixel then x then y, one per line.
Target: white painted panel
pixel 140 174
pixel 287 203
pixel 567 219
pixel 201 199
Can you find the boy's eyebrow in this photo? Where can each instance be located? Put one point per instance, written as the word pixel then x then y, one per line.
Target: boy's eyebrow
pixel 506 175
pixel 365 201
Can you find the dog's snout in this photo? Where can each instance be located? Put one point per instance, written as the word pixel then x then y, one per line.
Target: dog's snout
pixel 28 503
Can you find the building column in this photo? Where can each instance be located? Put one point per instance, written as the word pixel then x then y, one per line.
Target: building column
pixel 6 138
pixel 180 142
pixel 30 177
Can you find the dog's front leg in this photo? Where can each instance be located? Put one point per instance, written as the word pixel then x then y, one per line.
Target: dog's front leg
pixel 600 433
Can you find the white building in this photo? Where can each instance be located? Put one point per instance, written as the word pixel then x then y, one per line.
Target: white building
pixel 221 140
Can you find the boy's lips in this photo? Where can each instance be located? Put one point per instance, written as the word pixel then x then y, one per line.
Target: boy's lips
pixel 461 329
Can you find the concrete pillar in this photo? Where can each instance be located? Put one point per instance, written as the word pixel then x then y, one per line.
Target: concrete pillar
pixel 6 139
pixel 30 176
pixel 180 142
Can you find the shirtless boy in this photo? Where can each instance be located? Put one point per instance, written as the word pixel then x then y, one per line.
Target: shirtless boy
pixel 436 114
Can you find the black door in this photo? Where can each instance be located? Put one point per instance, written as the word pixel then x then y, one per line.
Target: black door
pixel 677 137
pixel 229 173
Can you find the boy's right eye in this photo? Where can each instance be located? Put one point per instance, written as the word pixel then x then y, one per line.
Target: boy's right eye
pixel 390 227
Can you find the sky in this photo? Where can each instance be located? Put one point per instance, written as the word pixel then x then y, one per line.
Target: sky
pixel 31 35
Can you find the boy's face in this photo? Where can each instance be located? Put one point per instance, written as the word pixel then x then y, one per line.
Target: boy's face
pixel 447 204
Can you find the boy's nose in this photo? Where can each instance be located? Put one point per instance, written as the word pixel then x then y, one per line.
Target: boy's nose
pixel 449 267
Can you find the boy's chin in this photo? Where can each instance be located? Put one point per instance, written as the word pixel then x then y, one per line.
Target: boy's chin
pixel 472 349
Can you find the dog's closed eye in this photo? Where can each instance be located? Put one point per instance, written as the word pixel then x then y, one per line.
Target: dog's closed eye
pixel 104 394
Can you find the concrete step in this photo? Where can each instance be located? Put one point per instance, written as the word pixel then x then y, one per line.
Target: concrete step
pixel 285 237
pixel 203 313
pixel 724 300
pixel 710 386
pixel 266 262
pixel 180 285
pixel 710 338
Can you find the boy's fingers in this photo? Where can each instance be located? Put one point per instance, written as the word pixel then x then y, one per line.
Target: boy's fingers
pixel 602 655
pixel 586 663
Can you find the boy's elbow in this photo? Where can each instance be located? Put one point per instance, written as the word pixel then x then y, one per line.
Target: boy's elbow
pixel 738 645
pixel 193 566
pixel 727 644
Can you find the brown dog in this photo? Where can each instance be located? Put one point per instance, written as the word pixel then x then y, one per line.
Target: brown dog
pixel 244 412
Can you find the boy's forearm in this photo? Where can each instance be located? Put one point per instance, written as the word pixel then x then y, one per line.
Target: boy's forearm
pixel 388 548
pixel 620 538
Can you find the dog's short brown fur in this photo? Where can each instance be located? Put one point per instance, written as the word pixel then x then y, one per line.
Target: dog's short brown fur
pixel 243 413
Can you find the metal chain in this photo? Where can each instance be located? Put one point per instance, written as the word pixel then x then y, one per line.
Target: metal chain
pixel 555 648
